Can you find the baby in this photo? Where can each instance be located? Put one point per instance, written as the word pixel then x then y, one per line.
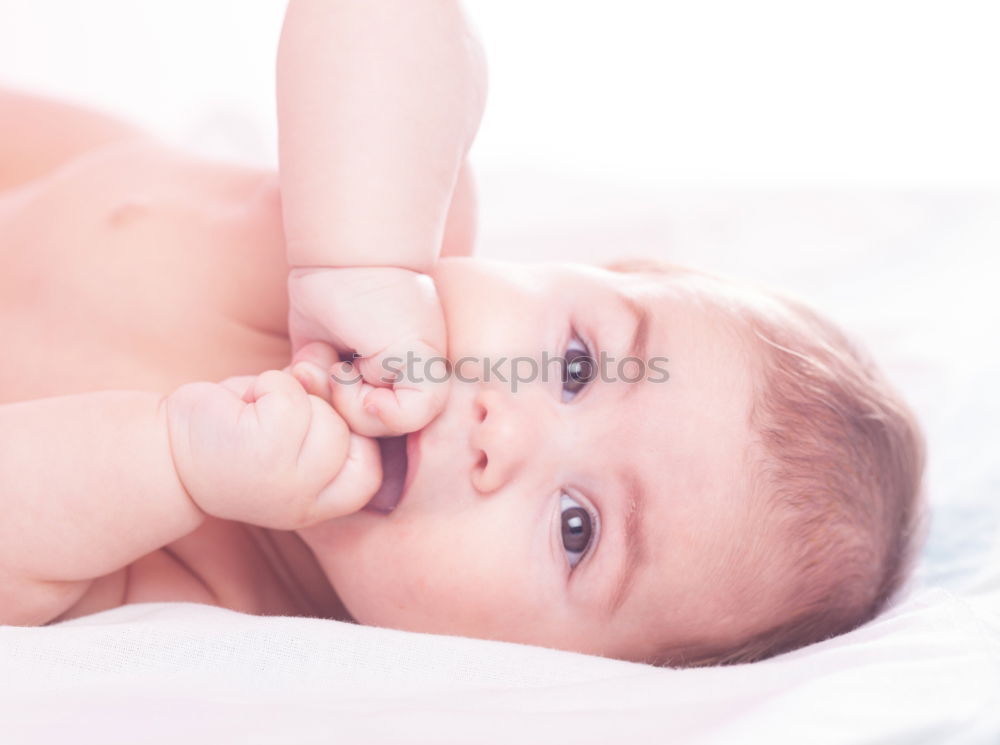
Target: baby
pixel 640 461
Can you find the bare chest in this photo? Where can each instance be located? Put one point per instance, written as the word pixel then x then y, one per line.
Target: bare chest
pixel 135 269
pixel 131 270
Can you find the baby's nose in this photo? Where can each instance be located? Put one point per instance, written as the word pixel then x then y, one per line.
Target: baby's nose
pixel 502 436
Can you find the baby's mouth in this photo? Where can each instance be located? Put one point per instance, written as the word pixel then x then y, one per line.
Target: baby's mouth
pixel 394 464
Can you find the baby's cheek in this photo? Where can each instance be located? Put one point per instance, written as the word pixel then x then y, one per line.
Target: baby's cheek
pixel 446 570
pixel 404 585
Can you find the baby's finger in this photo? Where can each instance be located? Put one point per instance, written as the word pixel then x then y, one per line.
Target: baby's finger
pixel 347 394
pixel 312 378
pixel 356 483
pixel 419 389
pixel 407 409
pixel 309 366
pixel 276 395
pixel 319 353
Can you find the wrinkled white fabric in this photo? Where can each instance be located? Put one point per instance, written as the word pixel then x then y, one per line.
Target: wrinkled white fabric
pixel 927 671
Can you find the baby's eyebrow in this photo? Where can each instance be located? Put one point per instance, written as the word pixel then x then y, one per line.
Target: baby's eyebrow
pixel 639 343
pixel 635 541
pixel 632 508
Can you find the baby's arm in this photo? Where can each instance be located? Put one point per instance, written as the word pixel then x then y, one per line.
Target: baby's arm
pixel 87 486
pixel 91 482
pixel 378 103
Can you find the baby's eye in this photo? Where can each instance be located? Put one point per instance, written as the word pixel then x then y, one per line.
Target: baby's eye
pixel 579 368
pixel 578 525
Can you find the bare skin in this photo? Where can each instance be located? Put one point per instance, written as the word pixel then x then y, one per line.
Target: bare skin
pixel 113 246
pixel 137 268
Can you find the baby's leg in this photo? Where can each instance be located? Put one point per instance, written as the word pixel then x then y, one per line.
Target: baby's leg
pixel 40 134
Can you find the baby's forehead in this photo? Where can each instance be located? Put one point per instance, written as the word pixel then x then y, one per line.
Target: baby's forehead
pixel 668 285
pixel 687 440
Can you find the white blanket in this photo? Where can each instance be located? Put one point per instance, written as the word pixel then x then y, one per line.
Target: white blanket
pixel 928 671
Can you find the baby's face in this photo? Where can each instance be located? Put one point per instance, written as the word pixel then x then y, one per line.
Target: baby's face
pixel 602 516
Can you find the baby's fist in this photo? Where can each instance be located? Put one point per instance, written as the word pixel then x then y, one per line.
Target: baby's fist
pixel 260 450
pixel 388 317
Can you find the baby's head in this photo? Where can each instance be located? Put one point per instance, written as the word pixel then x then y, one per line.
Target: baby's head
pixel 754 488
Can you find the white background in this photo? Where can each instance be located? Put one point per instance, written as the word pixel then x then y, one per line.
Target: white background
pixel 660 92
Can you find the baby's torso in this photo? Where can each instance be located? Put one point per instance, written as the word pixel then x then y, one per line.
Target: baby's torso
pixel 132 268
pixel 135 267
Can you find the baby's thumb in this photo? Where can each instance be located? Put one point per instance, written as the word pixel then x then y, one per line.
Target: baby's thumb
pixel 310 365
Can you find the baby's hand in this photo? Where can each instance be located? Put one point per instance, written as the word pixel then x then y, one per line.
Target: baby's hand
pixel 392 321
pixel 262 450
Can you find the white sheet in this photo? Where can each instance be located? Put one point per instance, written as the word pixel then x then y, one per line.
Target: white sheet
pixel 171 672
